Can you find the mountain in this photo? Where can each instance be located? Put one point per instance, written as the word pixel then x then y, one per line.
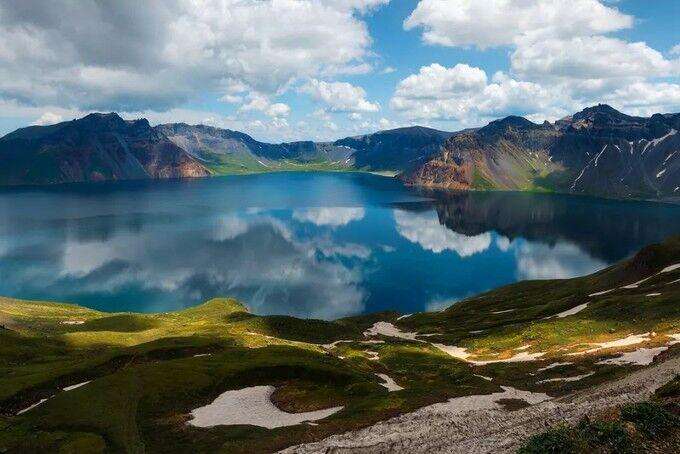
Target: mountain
pixel 396 149
pixel 597 151
pixel 94 148
pixel 227 151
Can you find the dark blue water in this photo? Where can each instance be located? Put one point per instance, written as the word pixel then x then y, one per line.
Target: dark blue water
pixel 321 245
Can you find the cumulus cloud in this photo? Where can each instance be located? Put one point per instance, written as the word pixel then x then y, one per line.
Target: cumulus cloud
pixel 424 229
pixel 560 62
pixel 505 22
pixel 339 96
pixel 132 56
pixel 592 57
pixel 465 94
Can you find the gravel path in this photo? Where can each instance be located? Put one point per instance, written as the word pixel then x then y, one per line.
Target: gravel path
pixel 438 429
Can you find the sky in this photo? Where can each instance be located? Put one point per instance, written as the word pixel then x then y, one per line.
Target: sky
pixel 283 70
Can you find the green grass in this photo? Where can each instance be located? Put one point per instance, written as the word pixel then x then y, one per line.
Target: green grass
pixel 145 379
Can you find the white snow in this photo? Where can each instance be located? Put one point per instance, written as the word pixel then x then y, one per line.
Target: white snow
pixel 389 330
pixel 672 132
pixel 251 406
pixel 199 355
pixel 504 312
pixel 72 322
pixel 597 158
pixel 668 269
pixel 567 379
pixel 572 311
pixel 76 386
pixel 636 284
pixel 658 175
pixel 553 365
pixel 484 377
pixel 262 163
pixel 604 292
pixel 466 404
pixel 404 316
pixel 639 357
pixel 462 354
pixel 390 384
pixel 653 294
pixel 626 341
pixel 40 402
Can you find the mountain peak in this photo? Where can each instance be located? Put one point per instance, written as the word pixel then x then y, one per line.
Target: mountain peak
pixel 510 122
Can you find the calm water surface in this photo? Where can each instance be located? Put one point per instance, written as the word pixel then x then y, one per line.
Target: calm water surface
pixel 307 244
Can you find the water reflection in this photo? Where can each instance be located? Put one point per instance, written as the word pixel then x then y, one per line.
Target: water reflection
pixel 364 249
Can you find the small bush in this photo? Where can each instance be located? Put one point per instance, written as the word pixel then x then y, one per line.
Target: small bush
pixel 650 418
pixel 606 436
pixel 557 440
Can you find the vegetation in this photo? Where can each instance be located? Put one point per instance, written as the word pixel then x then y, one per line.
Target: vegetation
pixel 146 372
pixel 652 426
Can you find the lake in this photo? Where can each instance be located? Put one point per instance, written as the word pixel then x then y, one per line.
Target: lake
pixel 322 245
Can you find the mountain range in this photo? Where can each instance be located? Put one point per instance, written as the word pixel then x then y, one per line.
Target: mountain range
pixel 598 151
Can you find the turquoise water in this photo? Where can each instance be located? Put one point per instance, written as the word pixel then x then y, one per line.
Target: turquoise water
pixel 322 245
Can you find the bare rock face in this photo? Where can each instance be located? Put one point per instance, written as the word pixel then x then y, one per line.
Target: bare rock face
pixel 98 147
pixel 597 151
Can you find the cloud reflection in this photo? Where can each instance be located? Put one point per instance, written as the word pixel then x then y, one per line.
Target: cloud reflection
pixel 254 258
pixel 329 216
pixel 424 229
pixel 560 261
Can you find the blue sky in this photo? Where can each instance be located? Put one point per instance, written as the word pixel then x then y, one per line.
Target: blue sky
pixel 324 69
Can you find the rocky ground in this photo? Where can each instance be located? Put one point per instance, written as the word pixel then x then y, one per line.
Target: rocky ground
pixel 448 429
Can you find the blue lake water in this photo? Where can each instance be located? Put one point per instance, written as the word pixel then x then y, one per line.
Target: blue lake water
pixel 322 245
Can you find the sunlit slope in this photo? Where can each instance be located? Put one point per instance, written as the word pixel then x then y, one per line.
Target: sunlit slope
pixel 145 373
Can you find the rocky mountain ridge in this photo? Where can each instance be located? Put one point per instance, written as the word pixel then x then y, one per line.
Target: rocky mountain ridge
pixel 598 151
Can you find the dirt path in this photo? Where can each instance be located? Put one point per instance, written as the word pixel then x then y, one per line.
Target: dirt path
pixel 437 429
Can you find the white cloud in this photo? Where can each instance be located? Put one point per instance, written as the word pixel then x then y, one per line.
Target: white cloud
pixel 261 103
pixel 130 55
pixel 49 118
pixel 504 22
pixel 675 50
pixel 339 96
pixel 560 62
pixel 424 229
pixel 463 93
pixel 591 57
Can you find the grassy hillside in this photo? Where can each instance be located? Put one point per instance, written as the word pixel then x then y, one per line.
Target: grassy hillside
pixel 144 375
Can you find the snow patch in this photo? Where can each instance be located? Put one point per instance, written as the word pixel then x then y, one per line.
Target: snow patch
pixel 40 402
pixel 566 379
pixel 76 386
pixel 462 354
pixel 252 406
pixel 553 365
pixel 572 311
pixel 390 384
pixel 389 330
pixel 639 357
